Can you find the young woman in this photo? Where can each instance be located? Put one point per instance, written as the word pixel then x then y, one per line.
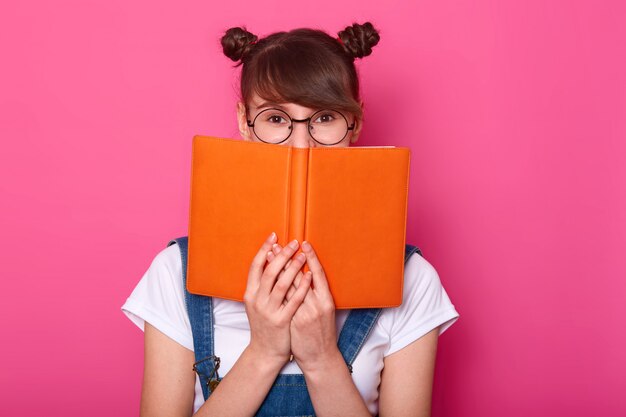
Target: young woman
pixel 278 351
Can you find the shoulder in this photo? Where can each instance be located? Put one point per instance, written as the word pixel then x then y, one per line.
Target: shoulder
pixel 425 305
pixel 165 273
pixel 168 259
pixel 419 276
pixel 159 297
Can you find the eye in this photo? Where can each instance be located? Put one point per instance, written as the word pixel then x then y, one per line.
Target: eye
pixel 325 118
pixel 276 118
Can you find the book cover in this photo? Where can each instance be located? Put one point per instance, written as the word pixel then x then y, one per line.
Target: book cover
pixel 350 203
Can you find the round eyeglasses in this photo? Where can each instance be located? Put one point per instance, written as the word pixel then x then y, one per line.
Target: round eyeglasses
pixel 326 127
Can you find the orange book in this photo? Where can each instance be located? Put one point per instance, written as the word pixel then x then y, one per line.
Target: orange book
pixel 349 203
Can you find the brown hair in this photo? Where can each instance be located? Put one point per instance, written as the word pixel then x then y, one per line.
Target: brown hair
pixel 303 66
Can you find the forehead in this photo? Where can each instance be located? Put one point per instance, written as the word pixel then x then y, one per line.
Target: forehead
pixel 259 103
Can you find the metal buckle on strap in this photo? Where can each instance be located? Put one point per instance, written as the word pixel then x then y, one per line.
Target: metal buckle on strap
pixel 213 379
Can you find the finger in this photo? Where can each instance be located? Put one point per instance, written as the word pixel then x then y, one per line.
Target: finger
pixel 272 270
pixel 285 281
pixel 294 287
pixel 258 263
pixel 276 248
pixel 298 296
pixel 271 256
pixel 319 276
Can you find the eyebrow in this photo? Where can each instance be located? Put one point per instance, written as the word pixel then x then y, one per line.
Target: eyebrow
pixel 269 104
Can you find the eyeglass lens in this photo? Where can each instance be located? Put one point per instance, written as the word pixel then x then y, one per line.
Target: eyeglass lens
pixel 325 126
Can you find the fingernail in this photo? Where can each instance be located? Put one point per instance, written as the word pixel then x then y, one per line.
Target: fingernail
pixel 294 244
pixel 272 237
pixel 306 245
pixel 301 256
pixel 274 246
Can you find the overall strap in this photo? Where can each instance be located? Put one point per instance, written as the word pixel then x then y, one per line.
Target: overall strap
pixel 360 323
pixel 410 250
pixel 200 310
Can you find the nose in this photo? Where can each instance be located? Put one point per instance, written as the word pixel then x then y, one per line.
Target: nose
pixel 300 137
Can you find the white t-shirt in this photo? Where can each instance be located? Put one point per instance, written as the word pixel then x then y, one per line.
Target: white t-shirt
pixel 159 299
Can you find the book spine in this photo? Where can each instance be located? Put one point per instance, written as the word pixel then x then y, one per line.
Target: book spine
pixel 297 193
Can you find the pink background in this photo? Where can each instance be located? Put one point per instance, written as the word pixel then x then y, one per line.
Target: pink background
pixel 514 111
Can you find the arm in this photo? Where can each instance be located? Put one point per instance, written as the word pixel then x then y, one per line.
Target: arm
pixel 407 378
pixel 405 388
pixel 406 381
pixel 332 389
pixel 168 378
pixel 314 345
pixel 169 381
pixel 244 387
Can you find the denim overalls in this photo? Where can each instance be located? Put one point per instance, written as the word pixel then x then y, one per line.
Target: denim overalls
pixel 288 396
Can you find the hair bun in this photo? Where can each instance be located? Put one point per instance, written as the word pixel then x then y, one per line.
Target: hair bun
pixel 359 39
pixel 237 42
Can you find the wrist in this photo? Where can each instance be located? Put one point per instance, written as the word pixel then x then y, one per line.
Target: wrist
pixel 328 363
pixel 271 364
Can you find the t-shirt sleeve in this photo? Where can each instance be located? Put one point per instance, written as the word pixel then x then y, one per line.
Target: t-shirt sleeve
pixel 159 298
pixel 425 306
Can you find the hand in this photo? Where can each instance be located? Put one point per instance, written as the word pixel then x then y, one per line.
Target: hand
pixel 313 332
pixel 269 317
pixel 276 248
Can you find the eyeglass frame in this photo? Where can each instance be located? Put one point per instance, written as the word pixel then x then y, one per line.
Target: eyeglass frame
pixel 307 121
